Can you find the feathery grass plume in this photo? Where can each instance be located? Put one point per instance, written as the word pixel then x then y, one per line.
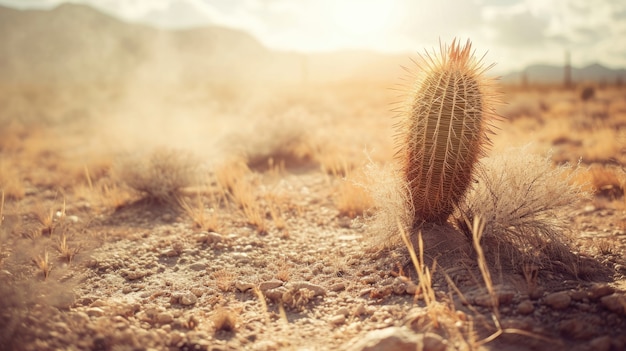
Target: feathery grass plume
pixel 525 202
pixel 444 127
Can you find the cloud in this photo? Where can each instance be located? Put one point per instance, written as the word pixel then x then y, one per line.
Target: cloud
pixel 516 27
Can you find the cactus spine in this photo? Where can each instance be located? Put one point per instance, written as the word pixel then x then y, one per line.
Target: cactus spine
pixel 444 130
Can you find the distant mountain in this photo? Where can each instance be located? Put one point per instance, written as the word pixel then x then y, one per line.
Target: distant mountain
pixel 75 43
pixel 549 74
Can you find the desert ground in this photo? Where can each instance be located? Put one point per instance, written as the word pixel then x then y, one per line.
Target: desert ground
pixel 216 217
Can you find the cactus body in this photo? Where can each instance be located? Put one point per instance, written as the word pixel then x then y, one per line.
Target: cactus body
pixel 444 129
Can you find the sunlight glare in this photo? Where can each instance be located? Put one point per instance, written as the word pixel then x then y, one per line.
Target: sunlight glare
pixel 362 17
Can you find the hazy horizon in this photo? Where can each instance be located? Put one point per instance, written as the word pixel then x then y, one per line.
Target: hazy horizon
pixel 513 33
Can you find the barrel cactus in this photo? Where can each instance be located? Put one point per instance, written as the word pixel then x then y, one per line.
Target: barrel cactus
pixel 444 129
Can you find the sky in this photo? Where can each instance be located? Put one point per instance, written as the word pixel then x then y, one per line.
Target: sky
pixel 513 33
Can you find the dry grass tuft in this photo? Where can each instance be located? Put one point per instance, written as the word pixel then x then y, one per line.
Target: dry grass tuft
pixel 43 263
pixel 235 183
pixel 352 199
pixel 224 279
pixel 66 252
pixel 392 204
pixel 161 175
pixel 45 217
pixel 202 218
pixel 224 319
pixel 525 202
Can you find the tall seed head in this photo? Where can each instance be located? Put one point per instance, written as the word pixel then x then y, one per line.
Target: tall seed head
pixel 443 131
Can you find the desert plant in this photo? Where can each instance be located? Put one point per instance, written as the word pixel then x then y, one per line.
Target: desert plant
pixel 43 263
pixel 444 129
pixel 161 175
pixel 524 201
pixel 65 251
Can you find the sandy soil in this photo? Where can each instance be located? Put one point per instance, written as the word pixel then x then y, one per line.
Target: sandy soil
pixel 314 277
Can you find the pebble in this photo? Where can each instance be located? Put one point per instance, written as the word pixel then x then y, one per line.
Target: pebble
pixel 188 298
pixel 270 284
pixel 338 319
pixel 360 310
pixel 614 303
pixel 337 287
pixel 411 288
pixel 558 301
pixel 134 275
pixel 575 328
pixel 503 296
pixel 317 290
pixel 398 339
pixel 164 318
pixel 343 311
pixel 600 290
pixel 198 266
pixel 601 343
pixel 95 312
pixel 579 295
pixel 525 307
pixel 243 286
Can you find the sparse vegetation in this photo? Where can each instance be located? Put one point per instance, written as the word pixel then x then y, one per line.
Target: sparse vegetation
pixel 521 197
pixel 161 175
pixel 271 235
pixel 43 263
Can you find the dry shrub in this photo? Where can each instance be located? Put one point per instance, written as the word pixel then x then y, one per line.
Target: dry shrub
pixel 161 175
pixel 525 202
pixel 275 139
pixel 392 204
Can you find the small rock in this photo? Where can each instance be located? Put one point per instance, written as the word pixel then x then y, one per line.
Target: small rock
pixel 503 296
pixel 73 219
pixel 134 275
pixel 579 295
pixel 213 238
pixel 337 287
pixel 241 257
pixel 589 209
pixel 601 343
pixel 164 318
pixel 275 294
pixel 360 310
pixel 411 288
pixel 398 339
pixel 614 303
pixel 399 286
pixel 317 290
pixel 197 291
pixel 525 307
pixel 576 328
pixel 338 319
pixel 370 279
pixel 558 301
pixel 188 298
pixel 243 286
pixel 270 284
pixel 599 290
pixel 198 266
pixel 343 311
pixel 95 312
